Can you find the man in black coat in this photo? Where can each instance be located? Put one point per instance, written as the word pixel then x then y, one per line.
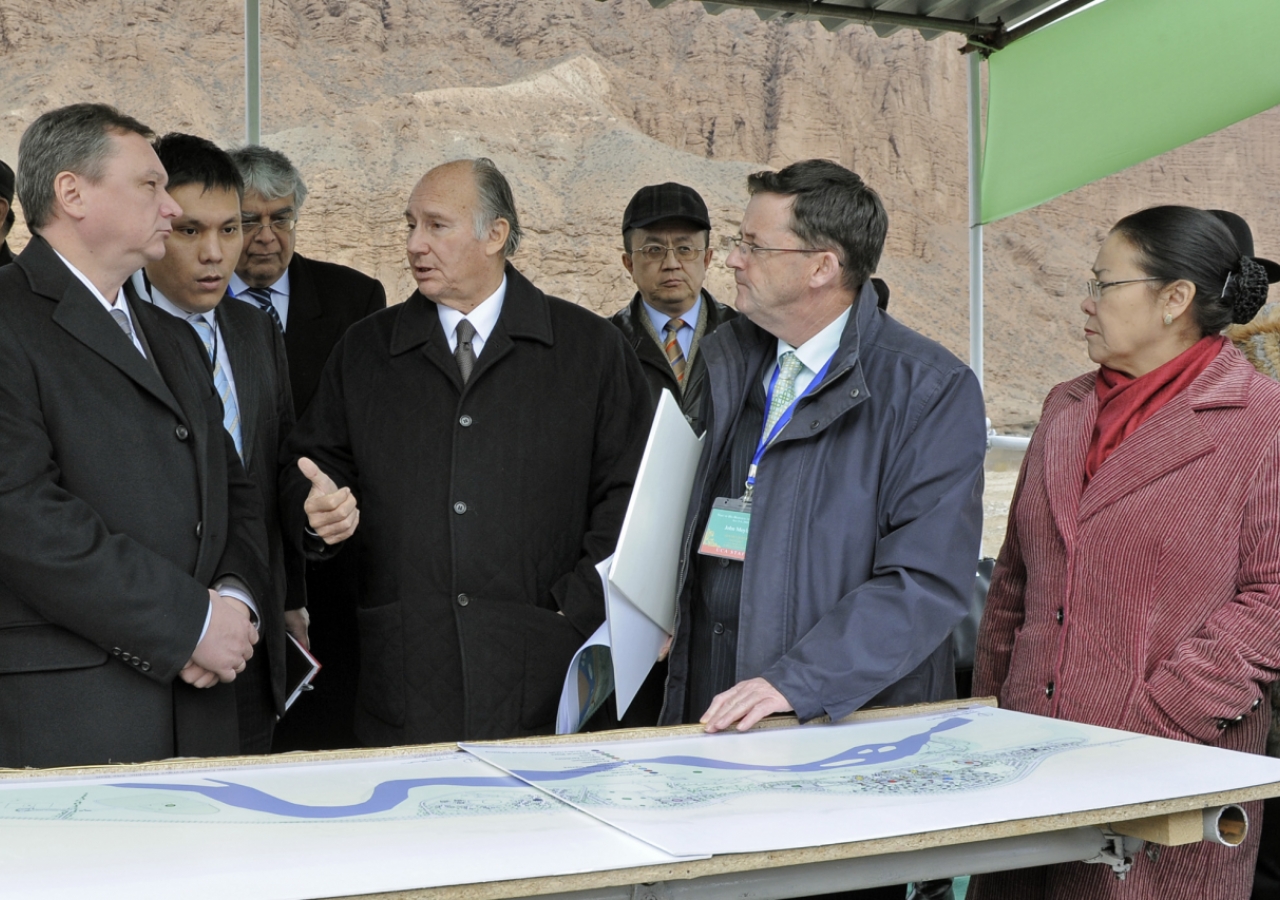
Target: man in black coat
pixel 249 370
pixel 313 303
pixel 7 217
pixel 666 231
pixel 121 498
pixel 491 435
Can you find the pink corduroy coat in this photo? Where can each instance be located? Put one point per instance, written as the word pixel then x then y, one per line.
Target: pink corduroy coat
pixel 1148 601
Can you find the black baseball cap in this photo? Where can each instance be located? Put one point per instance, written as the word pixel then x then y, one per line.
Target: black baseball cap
pixel 665 201
pixel 1240 230
pixel 6 182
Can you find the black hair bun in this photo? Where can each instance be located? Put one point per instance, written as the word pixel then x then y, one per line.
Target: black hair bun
pixel 1247 290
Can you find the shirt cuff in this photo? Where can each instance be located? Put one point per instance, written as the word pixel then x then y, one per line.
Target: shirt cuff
pixel 237 590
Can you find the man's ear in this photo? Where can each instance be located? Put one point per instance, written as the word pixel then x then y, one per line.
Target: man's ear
pixel 499 231
pixel 67 196
pixel 628 264
pixel 827 270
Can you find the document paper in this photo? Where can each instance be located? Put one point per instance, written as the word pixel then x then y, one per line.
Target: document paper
pixel 639 578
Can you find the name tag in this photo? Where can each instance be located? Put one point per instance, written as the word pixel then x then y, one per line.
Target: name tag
pixel 727 529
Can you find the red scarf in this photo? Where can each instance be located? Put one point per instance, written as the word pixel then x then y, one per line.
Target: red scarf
pixel 1125 402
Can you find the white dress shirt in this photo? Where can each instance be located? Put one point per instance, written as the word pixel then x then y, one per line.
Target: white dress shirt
pixel 119 303
pixel 814 353
pixel 484 318
pixel 279 295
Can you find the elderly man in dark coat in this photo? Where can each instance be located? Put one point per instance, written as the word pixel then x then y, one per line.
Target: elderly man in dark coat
pixel 484 437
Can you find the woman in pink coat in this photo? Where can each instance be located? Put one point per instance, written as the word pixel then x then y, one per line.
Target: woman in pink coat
pixel 1139 582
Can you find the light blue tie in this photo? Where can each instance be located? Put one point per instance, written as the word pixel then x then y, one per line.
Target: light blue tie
pixel 784 392
pixel 221 384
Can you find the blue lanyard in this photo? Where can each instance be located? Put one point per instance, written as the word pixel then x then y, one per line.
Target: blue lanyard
pixel 767 439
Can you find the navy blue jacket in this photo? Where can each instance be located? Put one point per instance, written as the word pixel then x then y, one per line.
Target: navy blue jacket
pixel 866 519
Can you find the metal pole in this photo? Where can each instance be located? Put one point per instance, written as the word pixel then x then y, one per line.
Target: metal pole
pixel 975 214
pixel 252 73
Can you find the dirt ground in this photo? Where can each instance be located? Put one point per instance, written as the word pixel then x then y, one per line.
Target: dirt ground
pixel 1002 475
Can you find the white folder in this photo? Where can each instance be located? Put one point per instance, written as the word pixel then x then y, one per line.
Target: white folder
pixel 640 577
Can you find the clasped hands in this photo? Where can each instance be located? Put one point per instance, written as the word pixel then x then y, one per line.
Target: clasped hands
pixel 227 644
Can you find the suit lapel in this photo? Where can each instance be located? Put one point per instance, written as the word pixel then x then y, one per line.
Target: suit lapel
pixel 81 315
pixel 245 370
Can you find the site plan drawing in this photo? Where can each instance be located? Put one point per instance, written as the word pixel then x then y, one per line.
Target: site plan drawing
pixel 440 817
pixel 349 827
pixel 809 786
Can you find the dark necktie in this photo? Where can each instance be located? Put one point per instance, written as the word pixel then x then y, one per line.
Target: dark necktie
pixel 262 297
pixel 464 353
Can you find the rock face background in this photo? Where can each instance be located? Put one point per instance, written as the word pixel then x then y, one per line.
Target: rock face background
pixel 582 102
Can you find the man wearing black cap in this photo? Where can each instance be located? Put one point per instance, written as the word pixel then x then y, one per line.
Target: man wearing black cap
pixel 666 232
pixel 6 212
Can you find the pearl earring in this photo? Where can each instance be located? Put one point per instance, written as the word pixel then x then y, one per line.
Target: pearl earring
pixel 1168 319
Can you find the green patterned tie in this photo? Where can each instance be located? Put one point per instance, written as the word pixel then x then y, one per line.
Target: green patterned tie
pixel 784 391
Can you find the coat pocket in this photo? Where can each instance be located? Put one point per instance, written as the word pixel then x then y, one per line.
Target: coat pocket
pixel 381 691
pixel 550 644
pixel 45 648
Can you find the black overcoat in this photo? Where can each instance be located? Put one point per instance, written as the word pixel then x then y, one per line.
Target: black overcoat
pixel 484 509
pixel 121 502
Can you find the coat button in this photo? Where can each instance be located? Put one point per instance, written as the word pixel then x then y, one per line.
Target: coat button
pixel 1058 616
pixel 181 433
pixel 459 507
pixel 465 421
pixel 199 529
pixel 854 392
pixel 146 667
pixel 1048 690
pixel 717 628
pixel 814 424
pixel 116 651
pixel 463 599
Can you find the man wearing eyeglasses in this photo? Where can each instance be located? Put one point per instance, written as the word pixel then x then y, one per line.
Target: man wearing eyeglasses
pixel 313 303
pixel 848 449
pixel 666 233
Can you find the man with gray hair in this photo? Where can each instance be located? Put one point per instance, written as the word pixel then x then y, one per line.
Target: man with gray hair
pixel 313 303
pixel 484 437
pixel 132 543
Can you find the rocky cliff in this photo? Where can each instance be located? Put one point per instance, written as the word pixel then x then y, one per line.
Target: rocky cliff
pixel 582 102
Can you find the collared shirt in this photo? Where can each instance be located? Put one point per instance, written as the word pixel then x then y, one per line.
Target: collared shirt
pixel 159 300
pixel 119 303
pixel 279 295
pixel 230 587
pixel 684 337
pixel 814 352
pixel 484 318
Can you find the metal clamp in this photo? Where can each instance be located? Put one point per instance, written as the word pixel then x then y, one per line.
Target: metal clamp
pixel 1117 851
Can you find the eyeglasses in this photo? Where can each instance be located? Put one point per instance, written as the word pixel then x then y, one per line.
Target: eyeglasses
pixel 728 244
pixel 658 253
pixel 281 226
pixel 1096 287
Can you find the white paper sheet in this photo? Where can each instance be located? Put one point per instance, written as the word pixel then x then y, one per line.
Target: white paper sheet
pixel 809 786
pixel 291 831
pixel 640 577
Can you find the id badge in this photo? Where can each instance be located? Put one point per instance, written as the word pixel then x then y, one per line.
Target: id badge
pixel 727 528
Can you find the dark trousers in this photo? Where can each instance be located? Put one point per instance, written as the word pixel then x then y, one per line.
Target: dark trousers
pixel 1266 878
pixel 255 707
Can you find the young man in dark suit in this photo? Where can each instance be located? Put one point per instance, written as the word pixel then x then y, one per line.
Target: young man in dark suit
pixel 250 372
pixel 131 540
pixel 313 303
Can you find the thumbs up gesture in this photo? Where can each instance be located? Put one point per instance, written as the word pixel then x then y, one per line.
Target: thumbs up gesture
pixel 331 511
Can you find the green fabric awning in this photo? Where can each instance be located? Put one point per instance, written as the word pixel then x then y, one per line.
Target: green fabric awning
pixel 1117 84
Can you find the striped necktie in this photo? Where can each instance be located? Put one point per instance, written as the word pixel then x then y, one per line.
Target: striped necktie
pixel 675 355
pixel 221 384
pixel 784 391
pixel 262 297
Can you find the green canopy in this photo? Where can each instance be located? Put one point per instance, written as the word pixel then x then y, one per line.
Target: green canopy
pixel 1119 83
